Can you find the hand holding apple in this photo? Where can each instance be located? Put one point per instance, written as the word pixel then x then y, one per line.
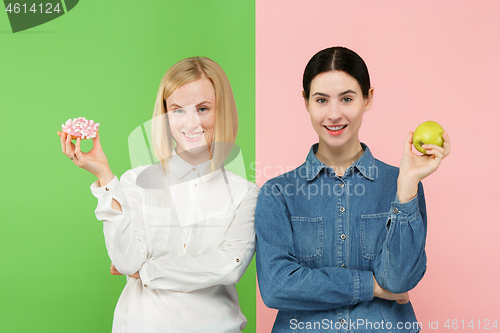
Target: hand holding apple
pixel 428 132
pixel 413 167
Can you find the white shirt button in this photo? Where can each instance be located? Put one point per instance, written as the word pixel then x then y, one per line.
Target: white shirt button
pixel 343 236
pixel 194 169
pixel 342 209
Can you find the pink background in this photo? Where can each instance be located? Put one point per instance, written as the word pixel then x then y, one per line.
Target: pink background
pixel 428 60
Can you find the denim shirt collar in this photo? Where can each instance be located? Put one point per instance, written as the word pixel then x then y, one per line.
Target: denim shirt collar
pixel 365 164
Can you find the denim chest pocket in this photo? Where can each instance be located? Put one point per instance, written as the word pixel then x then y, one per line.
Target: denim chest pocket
pixel 158 226
pixel 373 234
pixel 308 237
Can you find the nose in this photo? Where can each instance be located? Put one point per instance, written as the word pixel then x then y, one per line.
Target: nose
pixel 192 120
pixel 334 113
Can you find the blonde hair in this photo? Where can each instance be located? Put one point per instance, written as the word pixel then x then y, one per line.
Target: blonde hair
pixel 226 115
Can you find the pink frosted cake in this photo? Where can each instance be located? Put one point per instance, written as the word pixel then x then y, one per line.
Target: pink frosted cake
pixel 80 127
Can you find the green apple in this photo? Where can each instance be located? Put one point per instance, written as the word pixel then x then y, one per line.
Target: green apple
pixel 427 133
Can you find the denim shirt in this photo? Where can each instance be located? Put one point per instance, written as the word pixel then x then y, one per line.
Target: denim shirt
pixel 321 238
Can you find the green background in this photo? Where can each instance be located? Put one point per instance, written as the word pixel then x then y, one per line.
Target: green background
pixel 103 60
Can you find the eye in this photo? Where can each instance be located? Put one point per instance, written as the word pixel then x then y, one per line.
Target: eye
pixel 178 111
pixel 321 100
pixel 202 109
pixel 346 99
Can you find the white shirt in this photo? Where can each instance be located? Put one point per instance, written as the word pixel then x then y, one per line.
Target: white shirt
pixel 191 236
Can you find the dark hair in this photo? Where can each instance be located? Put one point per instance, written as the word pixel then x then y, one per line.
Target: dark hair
pixel 337 59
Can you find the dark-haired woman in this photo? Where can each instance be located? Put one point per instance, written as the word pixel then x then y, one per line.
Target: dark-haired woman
pixel 341 239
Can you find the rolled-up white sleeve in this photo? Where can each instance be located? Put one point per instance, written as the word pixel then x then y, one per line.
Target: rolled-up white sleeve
pixel 123 230
pixel 224 265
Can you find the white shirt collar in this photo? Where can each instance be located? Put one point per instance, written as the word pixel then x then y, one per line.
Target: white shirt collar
pixel 180 168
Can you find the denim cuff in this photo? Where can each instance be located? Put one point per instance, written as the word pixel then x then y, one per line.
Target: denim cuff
pixel 404 211
pixel 363 286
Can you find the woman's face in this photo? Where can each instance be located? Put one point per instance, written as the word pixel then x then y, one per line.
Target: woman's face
pixel 336 106
pixel 191 114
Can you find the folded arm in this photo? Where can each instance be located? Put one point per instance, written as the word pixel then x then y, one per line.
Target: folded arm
pixel 224 265
pixel 287 285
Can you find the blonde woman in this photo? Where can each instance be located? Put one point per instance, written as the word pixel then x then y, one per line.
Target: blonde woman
pixel 183 229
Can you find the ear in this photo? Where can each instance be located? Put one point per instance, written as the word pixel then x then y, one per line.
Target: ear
pixel 369 99
pixel 306 102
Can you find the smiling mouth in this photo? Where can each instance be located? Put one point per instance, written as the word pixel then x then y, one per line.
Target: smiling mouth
pixel 192 135
pixel 336 128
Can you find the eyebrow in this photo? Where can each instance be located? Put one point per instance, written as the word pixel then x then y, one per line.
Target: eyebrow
pixel 175 105
pixel 349 91
pixel 204 102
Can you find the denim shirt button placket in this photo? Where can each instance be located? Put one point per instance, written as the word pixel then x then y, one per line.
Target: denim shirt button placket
pixel 369 202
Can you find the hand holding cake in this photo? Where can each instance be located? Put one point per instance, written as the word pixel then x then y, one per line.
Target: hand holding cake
pixel 95 160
